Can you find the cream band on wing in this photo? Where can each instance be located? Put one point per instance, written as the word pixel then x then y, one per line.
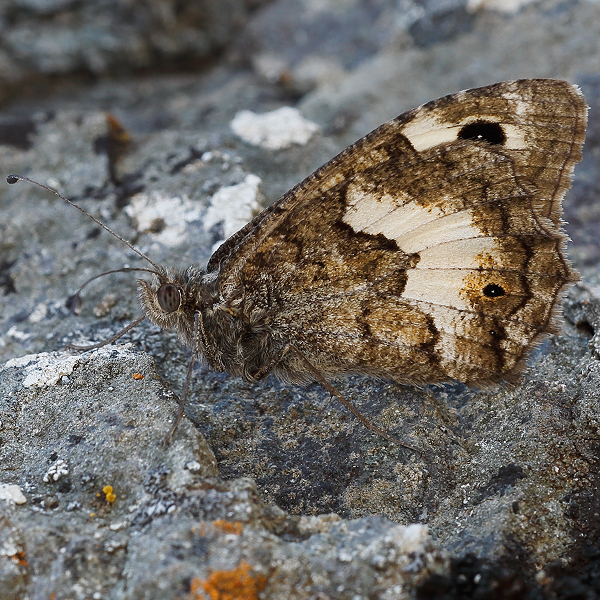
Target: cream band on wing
pixel 413 227
pixel 427 130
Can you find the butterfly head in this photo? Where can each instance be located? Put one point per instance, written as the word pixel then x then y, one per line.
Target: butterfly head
pixel 171 299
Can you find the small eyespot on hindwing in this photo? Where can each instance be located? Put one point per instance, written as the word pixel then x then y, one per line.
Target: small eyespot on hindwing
pixel 493 291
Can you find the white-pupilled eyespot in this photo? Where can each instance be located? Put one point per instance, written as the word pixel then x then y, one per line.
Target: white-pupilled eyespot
pixel 483 131
pixel 493 290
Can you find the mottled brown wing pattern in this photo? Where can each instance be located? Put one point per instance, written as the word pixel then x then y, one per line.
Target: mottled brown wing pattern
pixel 429 250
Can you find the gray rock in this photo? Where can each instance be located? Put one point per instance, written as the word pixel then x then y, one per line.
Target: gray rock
pixel 43 39
pixel 74 424
pixel 306 502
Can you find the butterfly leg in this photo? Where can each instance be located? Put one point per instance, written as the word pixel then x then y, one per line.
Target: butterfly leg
pixel 198 332
pixel 368 424
pixel 182 400
pixel 266 369
pixel 200 340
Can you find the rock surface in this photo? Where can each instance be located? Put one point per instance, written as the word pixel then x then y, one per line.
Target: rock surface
pixel 273 488
pixel 45 39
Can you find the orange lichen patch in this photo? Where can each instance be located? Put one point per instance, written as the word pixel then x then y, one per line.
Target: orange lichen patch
pixel 229 526
pixel 195 587
pixel 108 492
pixel 19 559
pixel 138 376
pixel 239 584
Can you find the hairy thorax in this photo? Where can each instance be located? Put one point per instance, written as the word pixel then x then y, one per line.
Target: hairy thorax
pixel 229 331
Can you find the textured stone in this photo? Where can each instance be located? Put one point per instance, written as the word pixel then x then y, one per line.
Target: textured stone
pixel 508 482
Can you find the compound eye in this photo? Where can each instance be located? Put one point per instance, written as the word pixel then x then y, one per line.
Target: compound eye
pixel 169 297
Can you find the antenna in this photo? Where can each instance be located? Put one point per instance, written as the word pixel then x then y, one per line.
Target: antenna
pixel 74 302
pixel 14 178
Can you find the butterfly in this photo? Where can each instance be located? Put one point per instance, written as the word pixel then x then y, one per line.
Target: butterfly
pixel 430 250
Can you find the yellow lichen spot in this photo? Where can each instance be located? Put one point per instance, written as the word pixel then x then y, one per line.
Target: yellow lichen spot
pixel 92 514
pixel 137 376
pixel 108 492
pixel 228 526
pixel 239 584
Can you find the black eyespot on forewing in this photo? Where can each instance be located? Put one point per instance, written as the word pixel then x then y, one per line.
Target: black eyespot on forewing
pixel 169 297
pixel 493 291
pixel 483 131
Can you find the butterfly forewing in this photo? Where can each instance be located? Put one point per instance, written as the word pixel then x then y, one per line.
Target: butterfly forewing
pixel 429 250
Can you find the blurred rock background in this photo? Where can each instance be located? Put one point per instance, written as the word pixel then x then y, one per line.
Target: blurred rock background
pixel 133 110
